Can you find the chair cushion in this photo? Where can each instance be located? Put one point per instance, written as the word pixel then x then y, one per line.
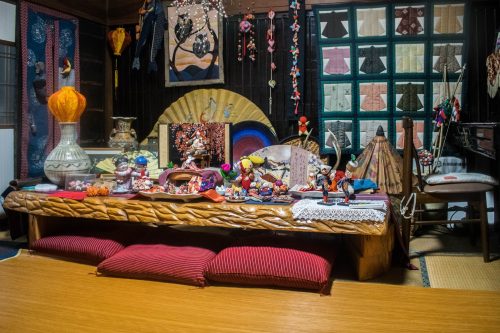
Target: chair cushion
pixel 182 264
pixel 88 248
pixel 460 177
pixel 458 188
pixel 274 262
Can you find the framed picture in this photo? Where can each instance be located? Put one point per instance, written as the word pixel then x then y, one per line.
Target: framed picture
pixel 208 143
pixel 193 46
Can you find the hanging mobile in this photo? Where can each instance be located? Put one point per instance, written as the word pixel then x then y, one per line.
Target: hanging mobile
pixel 270 49
pixel 246 29
pixel 295 51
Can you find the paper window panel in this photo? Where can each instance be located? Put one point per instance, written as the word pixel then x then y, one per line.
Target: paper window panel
pixel 409 58
pixel 342 129
pixel 372 59
pixel 439 93
pixel 368 130
pixel 373 96
pixel 418 134
pixel 449 18
pixel 334 23
pixel 371 22
pixel 449 54
pixel 336 60
pixel 337 97
pixel 409 96
pixel 409 20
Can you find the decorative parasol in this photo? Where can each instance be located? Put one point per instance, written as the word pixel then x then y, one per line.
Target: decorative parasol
pixel 118 39
pixel 381 163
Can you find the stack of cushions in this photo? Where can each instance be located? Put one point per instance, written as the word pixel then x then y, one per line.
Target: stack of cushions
pixel 90 249
pixel 281 261
pixel 167 255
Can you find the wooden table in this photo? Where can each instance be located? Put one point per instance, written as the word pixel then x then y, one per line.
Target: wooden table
pixel 370 243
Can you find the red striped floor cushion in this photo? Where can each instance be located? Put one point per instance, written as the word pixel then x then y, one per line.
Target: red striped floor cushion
pixel 274 262
pixel 182 264
pixel 88 248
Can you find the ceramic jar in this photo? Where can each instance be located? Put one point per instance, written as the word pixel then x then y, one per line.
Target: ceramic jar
pixel 123 135
pixel 67 157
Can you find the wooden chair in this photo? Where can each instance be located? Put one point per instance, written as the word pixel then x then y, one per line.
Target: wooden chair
pixel 473 193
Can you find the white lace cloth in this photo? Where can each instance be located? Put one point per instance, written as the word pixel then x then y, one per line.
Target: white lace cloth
pixel 308 209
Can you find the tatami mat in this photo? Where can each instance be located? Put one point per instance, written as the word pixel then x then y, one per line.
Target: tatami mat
pixel 463 272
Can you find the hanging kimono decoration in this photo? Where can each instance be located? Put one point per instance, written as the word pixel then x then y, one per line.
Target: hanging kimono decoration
pixel 50 60
pixel 152 24
pixel 118 39
pixel 246 38
pixel 297 20
pixel 271 49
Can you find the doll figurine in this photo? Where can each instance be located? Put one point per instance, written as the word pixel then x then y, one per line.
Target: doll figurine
pixel 141 168
pixel 197 144
pixel 323 180
pixel 247 176
pixel 123 174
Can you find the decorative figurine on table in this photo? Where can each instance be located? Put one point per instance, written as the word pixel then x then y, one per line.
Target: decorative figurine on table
pixel 345 184
pixel 323 180
pixel 189 163
pixel 247 176
pixel 123 175
pixel 140 175
pixel 141 168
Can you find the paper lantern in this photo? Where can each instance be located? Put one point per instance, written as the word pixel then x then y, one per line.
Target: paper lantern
pixel 67 104
pixel 118 39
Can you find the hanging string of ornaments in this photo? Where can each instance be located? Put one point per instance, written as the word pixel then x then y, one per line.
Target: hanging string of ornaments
pixel 295 51
pixel 270 48
pixel 247 33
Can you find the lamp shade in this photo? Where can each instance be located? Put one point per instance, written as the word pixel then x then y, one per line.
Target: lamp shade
pixel 67 104
pixel 119 39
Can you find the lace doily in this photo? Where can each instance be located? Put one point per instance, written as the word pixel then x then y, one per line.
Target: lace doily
pixel 308 209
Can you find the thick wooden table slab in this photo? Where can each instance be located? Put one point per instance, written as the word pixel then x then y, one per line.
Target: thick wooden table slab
pixel 200 213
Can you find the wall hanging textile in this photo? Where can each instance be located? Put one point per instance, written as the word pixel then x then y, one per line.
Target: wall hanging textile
pixel 50 60
pixel 296 19
pixel 193 46
pixel 380 62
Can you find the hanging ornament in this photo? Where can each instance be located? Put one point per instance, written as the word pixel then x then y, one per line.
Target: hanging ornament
pixel 493 67
pixel 270 48
pixel 118 39
pixel 247 45
pixel 295 51
pixel 201 45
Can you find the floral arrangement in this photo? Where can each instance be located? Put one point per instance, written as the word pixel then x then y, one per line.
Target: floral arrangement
pixel 227 172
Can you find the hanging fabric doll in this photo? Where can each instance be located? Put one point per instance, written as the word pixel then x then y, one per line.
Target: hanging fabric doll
pixel 152 22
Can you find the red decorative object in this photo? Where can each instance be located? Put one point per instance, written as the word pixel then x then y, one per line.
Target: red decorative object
pixel 303 123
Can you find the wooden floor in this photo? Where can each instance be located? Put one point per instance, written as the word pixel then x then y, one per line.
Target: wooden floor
pixel 39 294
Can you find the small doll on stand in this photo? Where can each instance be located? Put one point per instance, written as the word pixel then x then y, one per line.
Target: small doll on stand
pixel 323 180
pixel 345 184
pixel 123 175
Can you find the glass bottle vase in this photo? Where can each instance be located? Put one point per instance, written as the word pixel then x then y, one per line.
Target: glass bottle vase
pixel 67 157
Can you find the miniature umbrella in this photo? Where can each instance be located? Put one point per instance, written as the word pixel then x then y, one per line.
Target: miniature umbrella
pixel 381 163
pixel 118 39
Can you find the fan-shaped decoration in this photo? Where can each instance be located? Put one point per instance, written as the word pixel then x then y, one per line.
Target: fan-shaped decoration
pixel 211 105
pixel 312 145
pixel 381 163
pixel 291 164
pixel 250 136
